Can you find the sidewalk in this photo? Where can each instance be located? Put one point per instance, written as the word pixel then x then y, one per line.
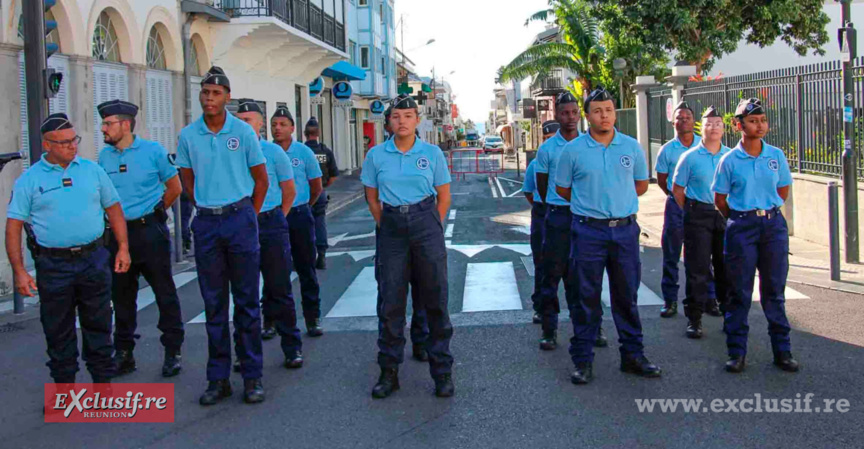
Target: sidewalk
pixel 808 262
pixel 345 189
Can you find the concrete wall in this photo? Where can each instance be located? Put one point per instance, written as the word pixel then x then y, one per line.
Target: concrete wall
pixel 809 209
pixel 10 136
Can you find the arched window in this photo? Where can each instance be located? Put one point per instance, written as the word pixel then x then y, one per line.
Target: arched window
pixel 105 44
pixel 156 51
pixel 195 67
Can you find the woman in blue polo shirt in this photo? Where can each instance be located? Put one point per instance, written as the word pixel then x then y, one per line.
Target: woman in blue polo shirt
pixel 750 185
pixel 408 191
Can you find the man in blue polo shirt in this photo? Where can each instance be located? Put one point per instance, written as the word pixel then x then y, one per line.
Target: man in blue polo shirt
pixel 278 300
pixel 148 185
pixel 222 165
pixel 672 238
pixel 602 174
pixel 301 223
pixel 704 227
pixel 750 186
pixel 65 199
pixel 556 237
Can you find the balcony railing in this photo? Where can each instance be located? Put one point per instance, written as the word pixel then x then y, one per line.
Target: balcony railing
pixel 300 14
pixel 553 83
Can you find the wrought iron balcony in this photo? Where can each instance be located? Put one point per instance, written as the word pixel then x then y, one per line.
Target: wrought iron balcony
pixel 300 14
pixel 550 85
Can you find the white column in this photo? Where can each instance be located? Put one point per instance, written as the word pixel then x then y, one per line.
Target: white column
pixel 643 83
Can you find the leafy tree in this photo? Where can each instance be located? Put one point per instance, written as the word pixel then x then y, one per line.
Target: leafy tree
pixel 700 31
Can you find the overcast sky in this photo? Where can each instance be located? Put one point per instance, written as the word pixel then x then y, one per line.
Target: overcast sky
pixel 472 38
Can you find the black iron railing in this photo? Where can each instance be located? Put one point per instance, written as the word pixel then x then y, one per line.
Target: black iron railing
pixel 551 84
pixel 300 14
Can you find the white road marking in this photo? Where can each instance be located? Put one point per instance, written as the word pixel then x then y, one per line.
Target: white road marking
pixel 521 248
pixel 492 186
pixel 790 293
pixel 511 180
pixel 359 237
pixel 469 250
pixel 498 182
pixel 448 233
pixel 452 214
pixel 646 296
pixel 491 286
pixel 360 299
pixel 333 241
pixel 522 229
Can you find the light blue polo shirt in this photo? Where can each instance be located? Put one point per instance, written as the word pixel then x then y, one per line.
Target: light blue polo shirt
pixel 405 178
pixel 695 172
pixel 751 182
pixel 547 162
pixel 530 185
pixel 139 174
pixel 669 155
pixel 305 166
pixel 220 161
pixel 602 179
pixel 278 170
pixel 66 207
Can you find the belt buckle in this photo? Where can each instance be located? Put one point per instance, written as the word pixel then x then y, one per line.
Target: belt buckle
pixel 761 213
pixel 76 251
pixel 216 210
pixel 404 209
pixel 614 223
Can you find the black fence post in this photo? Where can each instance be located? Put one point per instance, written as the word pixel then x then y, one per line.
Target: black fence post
pixel 799 113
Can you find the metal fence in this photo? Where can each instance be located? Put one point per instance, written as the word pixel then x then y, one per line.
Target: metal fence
pixel 474 161
pixel 660 130
pixel 300 14
pixel 627 123
pixel 805 111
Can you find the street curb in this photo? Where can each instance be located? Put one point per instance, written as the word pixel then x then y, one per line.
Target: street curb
pixel 334 207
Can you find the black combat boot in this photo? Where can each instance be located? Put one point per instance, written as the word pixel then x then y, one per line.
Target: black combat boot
pixel 124 362
pixel 171 366
pixel 253 391
pixel 216 391
pixel 444 385
pixel 388 382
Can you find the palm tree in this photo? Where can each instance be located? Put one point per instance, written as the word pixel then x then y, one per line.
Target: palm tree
pixel 581 51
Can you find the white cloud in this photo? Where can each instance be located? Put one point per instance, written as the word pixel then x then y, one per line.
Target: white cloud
pixel 472 37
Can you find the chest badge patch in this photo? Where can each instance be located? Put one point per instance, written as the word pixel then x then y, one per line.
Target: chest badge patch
pixel 773 164
pixel 123 168
pixel 233 143
pixel 423 163
pixel 626 161
pixel 67 182
pixel 295 162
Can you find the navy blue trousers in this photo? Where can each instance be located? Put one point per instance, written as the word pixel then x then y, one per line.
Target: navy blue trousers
pixel 756 242
pixel 301 228
pixel 419 325
pixel 538 232
pixel 81 284
pixel 411 246
pixel 555 264
pixel 671 242
pixel 596 247
pixel 704 233
pixel 278 299
pixel 227 253
pixel 319 211
pixel 150 249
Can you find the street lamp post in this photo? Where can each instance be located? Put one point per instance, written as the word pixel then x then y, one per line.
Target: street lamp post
pixel 847 41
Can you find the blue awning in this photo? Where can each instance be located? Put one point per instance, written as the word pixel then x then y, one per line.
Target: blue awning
pixel 344 70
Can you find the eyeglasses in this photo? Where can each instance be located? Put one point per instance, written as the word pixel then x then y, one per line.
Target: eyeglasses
pixel 66 143
pixel 109 123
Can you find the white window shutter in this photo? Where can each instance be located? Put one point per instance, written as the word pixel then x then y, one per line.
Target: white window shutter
pixel 25 134
pixel 110 82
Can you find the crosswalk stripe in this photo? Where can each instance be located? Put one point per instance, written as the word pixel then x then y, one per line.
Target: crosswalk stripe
pixel 448 233
pixel 452 214
pixel 647 297
pixel 360 299
pixel 202 317
pixel 491 286
pixel 790 293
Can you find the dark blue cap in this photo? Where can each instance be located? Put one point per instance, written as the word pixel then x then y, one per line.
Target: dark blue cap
pixel 551 127
pixel 216 76
pixel 55 122
pixel 565 98
pixel 711 112
pixel 750 106
pixel 249 105
pixel 283 111
pixel 683 105
pixel 598 94
pixel 404 101
pixel 312 123
pixel 117 107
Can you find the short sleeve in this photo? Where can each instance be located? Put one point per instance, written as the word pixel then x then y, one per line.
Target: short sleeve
pixel 723 178
pixel 183 160
pixel 783 171
pixel 662 163
pixel 682 171
pixel 166 170
pixel 254 155
pixel 107 193
pixel 284 171
pixel 369 173
pixel 640 167
pixel 530 185
pixel 542 160
pixel 313 168
pixel 21 202
pixel 442 173
pixel 564 174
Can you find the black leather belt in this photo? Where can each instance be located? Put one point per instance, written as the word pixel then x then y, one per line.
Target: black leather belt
pixel 698 205
pixel 556 208
pixel 154 217
pixel 270 213
pixel 422 205
pixel 769 214
pixel 608 222
pixel 69 253
pixel 225 210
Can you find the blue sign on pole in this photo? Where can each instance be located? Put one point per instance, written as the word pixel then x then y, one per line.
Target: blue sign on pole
pixel 316 87
pixel 376 107
pixel 342 90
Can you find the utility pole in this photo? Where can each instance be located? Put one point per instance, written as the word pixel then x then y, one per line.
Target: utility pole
pixel 35 62
pixel 848 42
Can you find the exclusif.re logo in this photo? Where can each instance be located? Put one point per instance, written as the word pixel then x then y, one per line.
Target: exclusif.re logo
pixel 146 403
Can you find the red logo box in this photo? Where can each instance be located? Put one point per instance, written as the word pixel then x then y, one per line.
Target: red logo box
pixel 105 403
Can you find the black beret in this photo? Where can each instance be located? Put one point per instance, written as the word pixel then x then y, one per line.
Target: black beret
pixel 598 94
pixel 683 105
pixel 711 112
pixel 551 127
pixel 283 111
pixel 312 123
pixel 388 111
pixel 55 122
pixel 404 102
pixel 565 98
pixel 249 105
pixel 216 76
pixel 117 107
pixel 750 106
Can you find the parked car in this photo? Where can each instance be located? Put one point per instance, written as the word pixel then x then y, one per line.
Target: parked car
pixel 493 144
pixel 473 138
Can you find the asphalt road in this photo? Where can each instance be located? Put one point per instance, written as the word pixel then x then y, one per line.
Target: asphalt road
pixel 509 394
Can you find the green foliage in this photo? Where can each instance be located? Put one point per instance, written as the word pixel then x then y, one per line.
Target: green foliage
pixel 700 31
